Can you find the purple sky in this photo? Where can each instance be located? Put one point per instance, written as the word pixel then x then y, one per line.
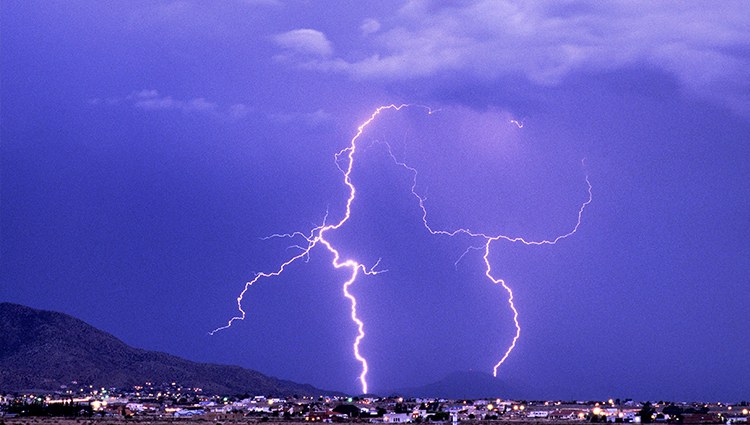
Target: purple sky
pixel 147 146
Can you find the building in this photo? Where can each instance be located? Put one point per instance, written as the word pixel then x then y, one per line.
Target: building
pixel 701 418
pixel 537 414
pixel 394 418
pixel 567 415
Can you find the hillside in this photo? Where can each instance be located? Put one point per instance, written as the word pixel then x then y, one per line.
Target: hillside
pixel 463 385
pixel 43 350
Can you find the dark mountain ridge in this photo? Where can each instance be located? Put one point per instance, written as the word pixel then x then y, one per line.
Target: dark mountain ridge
pixel 463 385
pixel 42 350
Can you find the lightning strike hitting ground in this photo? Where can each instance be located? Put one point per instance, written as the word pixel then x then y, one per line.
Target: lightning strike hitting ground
pixel 316 236
pixel 487 241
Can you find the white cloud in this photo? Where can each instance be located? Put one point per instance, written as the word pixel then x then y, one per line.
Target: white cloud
pixel 306 42
pixel 200 104
pixel 369 26
pixel 152 100
pixel 238 111
pixel 703 44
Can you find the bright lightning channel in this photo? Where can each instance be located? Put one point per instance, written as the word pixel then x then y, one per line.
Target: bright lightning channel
pixel 487 241
pixel 316 236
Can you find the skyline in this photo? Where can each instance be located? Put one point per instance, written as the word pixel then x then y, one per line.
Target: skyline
pixel 148 148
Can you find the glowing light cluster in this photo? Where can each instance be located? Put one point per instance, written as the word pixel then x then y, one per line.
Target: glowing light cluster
pixel 316 237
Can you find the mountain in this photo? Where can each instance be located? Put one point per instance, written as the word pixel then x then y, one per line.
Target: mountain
pixel 42 350
pixel 463 385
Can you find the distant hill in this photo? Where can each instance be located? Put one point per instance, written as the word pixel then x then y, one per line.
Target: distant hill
pixel 463 385
pixel 42 350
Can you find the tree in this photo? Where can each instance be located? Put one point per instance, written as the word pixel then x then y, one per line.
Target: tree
pixel 401 408
pixel 438 416
pixel 672 410
pixel 347 409
pixel 646 411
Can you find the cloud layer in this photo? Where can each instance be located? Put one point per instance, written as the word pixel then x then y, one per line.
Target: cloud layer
pixel 152 100
pixel 307 42
pixel 704 45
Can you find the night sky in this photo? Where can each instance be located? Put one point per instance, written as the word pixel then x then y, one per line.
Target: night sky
pixel 147 147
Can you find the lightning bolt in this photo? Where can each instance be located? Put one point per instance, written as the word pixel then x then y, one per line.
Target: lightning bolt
pixel 487 241
pixel 316 236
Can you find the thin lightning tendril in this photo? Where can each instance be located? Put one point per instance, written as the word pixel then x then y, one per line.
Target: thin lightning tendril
pixel 465 253
pixel 317 236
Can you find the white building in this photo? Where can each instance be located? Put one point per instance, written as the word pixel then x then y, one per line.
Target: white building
pixel 395 418
pixel 537 414
pixel 185 413
pixel 135 407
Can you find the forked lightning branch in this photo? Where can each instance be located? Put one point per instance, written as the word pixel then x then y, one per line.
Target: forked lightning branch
pixel 317 236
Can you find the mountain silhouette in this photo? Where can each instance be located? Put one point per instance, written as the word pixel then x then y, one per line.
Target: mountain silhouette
pixel 462 385
pixel 43 350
